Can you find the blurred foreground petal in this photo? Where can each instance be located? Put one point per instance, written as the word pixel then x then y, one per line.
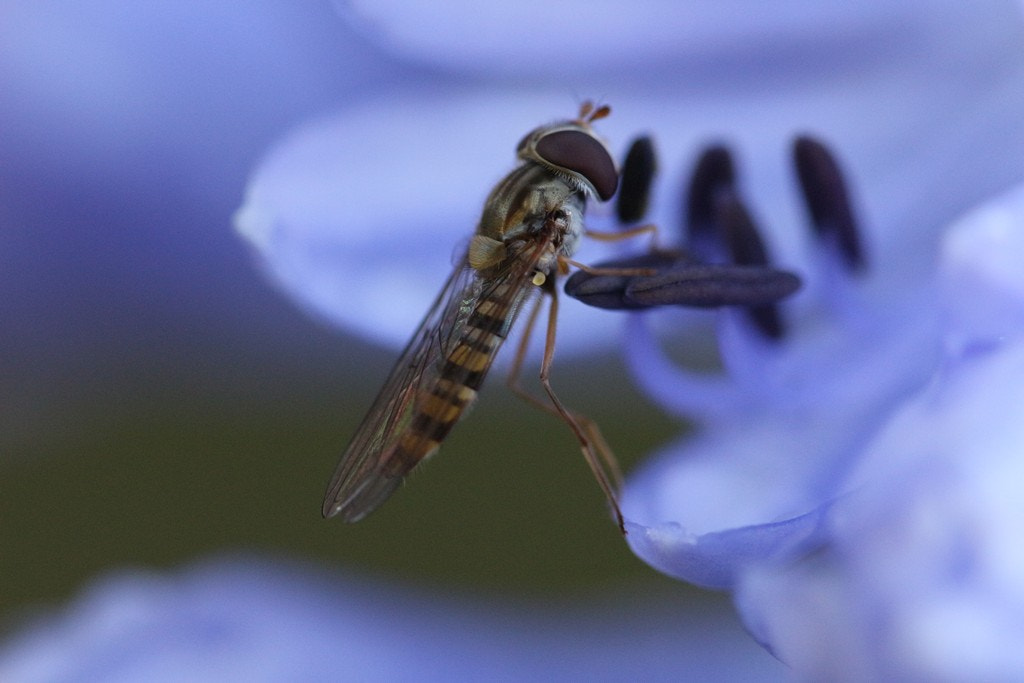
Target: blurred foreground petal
pixel 259 621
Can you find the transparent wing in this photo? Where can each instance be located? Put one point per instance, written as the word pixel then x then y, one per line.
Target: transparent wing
pixel 363 479
pixel 369 472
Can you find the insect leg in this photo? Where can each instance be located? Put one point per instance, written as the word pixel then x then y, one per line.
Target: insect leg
pixel 517 363
pixel 613 270
pixel 595 449
pixel 619 235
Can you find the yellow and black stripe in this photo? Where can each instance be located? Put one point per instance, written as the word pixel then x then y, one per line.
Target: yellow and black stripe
pixel 440 405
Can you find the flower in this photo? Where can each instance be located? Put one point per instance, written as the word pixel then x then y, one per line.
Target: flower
pixel 857 483
pixel 355 214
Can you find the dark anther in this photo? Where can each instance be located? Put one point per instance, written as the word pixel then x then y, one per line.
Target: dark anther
pixel 827 199
pixel 737 231
pixel 679 280
pixel 635 181
pixel 766 318
pixel 712 174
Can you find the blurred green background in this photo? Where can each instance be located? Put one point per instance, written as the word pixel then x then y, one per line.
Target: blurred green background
pixel 173 450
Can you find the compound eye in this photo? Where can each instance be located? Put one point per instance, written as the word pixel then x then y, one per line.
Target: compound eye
pixel 581 153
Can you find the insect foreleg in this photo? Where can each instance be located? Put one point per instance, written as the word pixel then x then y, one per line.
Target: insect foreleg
pixel 619 235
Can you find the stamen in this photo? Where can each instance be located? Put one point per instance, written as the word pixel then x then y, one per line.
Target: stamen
pixel 713 285
pixel 680 281
pixel 712 173
pixel 638 171
pixel 609 291
pixel 737 230
pixel 827 199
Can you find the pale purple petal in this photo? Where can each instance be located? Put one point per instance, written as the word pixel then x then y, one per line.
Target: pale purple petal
pixel 922 577
pixel 915 571
pixel 588 39
pixel 361 214
pixel 982 278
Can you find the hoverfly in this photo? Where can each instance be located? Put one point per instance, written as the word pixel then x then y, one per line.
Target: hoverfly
pixel 529 228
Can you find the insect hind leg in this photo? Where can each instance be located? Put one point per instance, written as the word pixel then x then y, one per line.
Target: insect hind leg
pixel 596 452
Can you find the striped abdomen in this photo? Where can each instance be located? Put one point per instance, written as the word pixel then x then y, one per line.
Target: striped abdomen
pixel 440 404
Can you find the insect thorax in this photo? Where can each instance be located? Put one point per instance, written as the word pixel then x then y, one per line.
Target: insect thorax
pixel 533 202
